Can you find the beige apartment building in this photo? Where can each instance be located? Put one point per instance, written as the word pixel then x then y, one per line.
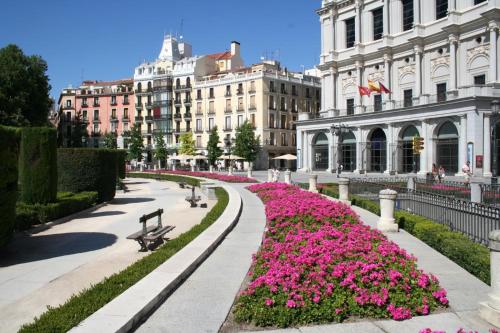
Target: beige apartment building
pixel 266 95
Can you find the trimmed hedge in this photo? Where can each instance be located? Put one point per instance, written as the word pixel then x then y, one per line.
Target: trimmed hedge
pixel 120 163
pixel 82 305
pixel 9 153
pixel 170 178
pixel 67 203
pixel 88 169
pixel 38 165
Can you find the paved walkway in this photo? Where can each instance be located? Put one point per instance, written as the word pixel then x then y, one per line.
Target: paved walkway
pixel 46 268
pixel 203 301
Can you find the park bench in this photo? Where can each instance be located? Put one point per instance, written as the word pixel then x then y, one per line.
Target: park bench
pixel 193 198
pixel 152 234
pixel 182 185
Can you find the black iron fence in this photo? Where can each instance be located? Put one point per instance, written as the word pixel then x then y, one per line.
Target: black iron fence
pixel 445 188
pixel 472 219
pixel 490 194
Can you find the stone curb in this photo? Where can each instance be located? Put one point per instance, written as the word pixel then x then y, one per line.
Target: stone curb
pixel 128 309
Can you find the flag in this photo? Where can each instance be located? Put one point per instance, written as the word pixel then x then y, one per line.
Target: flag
pixel 364 91
pixel 373 86
pixel 383 88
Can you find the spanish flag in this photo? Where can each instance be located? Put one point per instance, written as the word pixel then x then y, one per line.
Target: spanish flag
pixel 373 86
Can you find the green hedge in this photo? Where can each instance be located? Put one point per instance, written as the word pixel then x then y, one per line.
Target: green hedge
pixel 120 163
pixel 67 203
pixel 79 307
pixel 88 169
pixel 38 165
pixel 9 153
pixel 170 178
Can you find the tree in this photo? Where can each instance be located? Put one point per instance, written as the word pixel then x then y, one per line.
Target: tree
pixel 136 144
pixel 246 144
pixel 213 149
pixel 187 144
pixel 79 131
pixel 110 140
pixel 160 153
pixel 24 88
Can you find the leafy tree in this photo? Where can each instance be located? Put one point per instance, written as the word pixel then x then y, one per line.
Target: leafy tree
pixel 187 144
pixel 135 143
pixel 161 152
pixel 24 88
pixel 246 144
pixel 213 149
pixel 110 140
pixel 79 131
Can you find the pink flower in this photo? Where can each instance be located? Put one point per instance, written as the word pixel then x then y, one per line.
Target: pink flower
pixel 269 301
pixel 291 303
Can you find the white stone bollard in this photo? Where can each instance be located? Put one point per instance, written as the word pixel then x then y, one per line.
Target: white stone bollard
pixel 411 185
pixel 211 168
pixel 490 310
pixel 269 175
pixel 475 192
pixel 173 166
pixel 141 166
pixel 230 173
pixel 192 168
pixel 313 180
pixel 249 173
pixel 344 190
pixel 288 177
pixel 387 202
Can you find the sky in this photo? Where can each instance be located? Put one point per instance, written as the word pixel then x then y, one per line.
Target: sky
pixel 107 39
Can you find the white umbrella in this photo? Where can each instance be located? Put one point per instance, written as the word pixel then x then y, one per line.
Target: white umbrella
pixel 288 157
pixel 231 157
pixel 199 157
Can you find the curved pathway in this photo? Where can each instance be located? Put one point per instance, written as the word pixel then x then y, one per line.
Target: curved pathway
pixel 203 301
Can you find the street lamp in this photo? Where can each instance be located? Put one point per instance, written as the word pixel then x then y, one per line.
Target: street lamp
pixel 229 142
pixel 495 104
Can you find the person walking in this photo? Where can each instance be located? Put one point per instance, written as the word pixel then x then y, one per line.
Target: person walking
pixel 435 174
pixel 441 173
pixel 466 171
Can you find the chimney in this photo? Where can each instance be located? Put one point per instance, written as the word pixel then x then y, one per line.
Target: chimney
pixel 235 48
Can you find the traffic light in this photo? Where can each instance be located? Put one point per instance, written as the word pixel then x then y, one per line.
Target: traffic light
pixel 418 144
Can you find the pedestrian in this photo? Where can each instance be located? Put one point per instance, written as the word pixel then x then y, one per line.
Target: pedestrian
pixel 441 173
pixel 339 169
pixel 466 172
pixel 434 171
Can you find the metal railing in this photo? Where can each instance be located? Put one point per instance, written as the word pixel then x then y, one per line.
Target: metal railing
pixel 445 188
pixel 472 219
pixel 490 194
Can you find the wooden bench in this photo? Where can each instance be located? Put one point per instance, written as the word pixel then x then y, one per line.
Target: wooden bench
pixel 150 235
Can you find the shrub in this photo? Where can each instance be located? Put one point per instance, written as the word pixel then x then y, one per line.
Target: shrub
pixel 84 169
pixel 9 152
pixel 79 307
pixel 170 178
pixel 38 165
pixel 120 163
pixel 66 204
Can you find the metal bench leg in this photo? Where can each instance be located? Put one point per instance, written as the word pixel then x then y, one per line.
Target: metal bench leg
pixel 142 243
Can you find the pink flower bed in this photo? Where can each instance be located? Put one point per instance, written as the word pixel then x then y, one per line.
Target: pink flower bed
pixel 229 179
pixel 460 330
pixel 318 263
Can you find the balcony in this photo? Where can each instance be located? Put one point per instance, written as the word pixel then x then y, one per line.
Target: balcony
pixel 178 102
pixel 187 115
pixel 199 113
pixel 240 108
pixel 162 88
pixel 228 109
pixel 182 87
pixel 272 89
pixel 144 91
pixel 227 94
pixel 251 91
pixel 177 116
pixel 272 107
pixel 126 102
pixel 85 105
pixel 283 109
pixel 125 119
pixel 211 111
pixel 149 104
pixel 138 106
pixel 294 93
pixel 96 104
pixel 95 134
pixel 187 101
pixel 252 107
pixel 284 92
pixel 180 130
pixel 149 119
pixel 113 103
pixel 148 132
pixel 161 103
pixel 211 96
pixel 68 107
pixel 113 119
pixel 85 120
pixel 96 120
pixel 138 119
pixel 239 92
pixel 198 130
pixel 227 128
pixel 198 98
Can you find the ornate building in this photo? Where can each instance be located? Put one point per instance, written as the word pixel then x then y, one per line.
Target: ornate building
pixel 439 64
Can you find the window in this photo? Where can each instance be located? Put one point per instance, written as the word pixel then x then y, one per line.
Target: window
pixel 114 127
pixel 252 119
pixel 96 114
pixel 211 93
pixel 211 107
pixel 407 14
pixel 408 97
pixel 293 124
pixel 377 103
pixel 294 90
pixel 283 122
pixel 441 92
pixel 198 125
pixel 271 86
pixel 96 101
pixel 198 141
pixel 283 104
pixel 125 113
pixel 198 108
pixel 113 113
pixel 350 106
pixel 210 123
pixel 271 138
pixel 228 90
pixel 441 8
pixel 96 128
pixel 378 23
pixel 240 104
pixel 198 94
pixel 350 33
pixel 271 103
pixel 477 2
pixel 68 103
pixel 68 116
pixel 228 105
pixel 125 128
pixel 252 102
pixel 188 82
pixel 479 79
pixel 240 120
pixel 283 88
pixel 294 105
pixel 240 88
pixel 294 139
pixel 252 87
pixel 283 139
pixel 271 120
pixel 308 94
pixel 125 99
pixel 84 101
pixel 84 115
pixel 227 123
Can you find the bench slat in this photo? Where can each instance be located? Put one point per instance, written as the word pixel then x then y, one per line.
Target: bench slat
pixel 146 217
pixel 138 234
pixel 159 233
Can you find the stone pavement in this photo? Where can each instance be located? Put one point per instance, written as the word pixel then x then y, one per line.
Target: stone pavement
pixel 46 268
pixel 203 301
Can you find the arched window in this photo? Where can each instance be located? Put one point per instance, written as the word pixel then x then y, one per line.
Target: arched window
pixel 149 86
pixel 188 82
pixel 320 152
pixel 348 151
pixel 178 83
pixel 408 161
pixel 139 87
pixel 378 151
pixel 447 147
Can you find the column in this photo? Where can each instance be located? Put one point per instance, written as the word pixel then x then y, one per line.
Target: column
pixel 387 79
pixel 389 148
pixel 487 145
pixel 387 29
pixel 453 63
pixel 493 51
pixel 359 98
pixel 307 153
pixel 424 167
pixel 357 22
pixel 452 5
pixel 416 12
pixel 334 93
pixel 359 153
pixel 331 152
pixel 418 71
pixel 299 149
pixel 462 144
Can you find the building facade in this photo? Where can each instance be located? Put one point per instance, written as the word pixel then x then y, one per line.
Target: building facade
pixel 439 64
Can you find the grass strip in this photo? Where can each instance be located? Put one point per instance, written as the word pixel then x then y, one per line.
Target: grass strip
pixel 88 301
pixel 171 178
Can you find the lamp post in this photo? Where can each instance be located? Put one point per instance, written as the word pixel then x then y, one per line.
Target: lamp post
pixel 229 142
pixel 495 104
pixel 338 130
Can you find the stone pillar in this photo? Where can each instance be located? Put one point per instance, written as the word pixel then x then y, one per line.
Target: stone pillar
pixel 387 222
pixel 173 165
pixel 451 5
pixel 230 173
pixel 493 27
pixel 357 23
pixel 453 63
pixel 387 75
pixel 490 310
pixel 424 168
pixel 288 177
pixel 487 145
pixel 418 71
pixel 211 168
pixel 359 79
pixel 141 166
pixel 192 167
pixel 313 180
pixel 387 28
pixel 249 173
pixel 359 152
pixel 416 12
pixel 269 175
pixel 344 190
pixel 462 144
pixel 475 192
pixel 331 152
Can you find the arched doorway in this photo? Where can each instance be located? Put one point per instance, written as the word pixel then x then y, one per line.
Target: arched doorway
pixel 320 152
pixel 409 161
pixel 447 147
pixel 348 151
pixel 377 151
